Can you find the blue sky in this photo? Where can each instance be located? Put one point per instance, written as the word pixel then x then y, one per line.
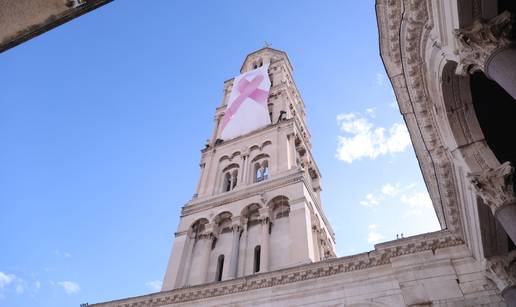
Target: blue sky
pixel 102 121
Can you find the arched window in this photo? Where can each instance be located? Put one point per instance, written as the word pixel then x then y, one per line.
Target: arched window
pixel 258 173
pixel 261 171
pixel 227 182
pixel 220 268
pixel 234 176
pixel 230 175
pixel 256 266
pixel 265 167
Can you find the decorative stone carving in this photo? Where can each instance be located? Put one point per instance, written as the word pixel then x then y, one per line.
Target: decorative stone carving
pixel 502 270
pixel 316 270
pixel 263 198
pixel 495 186
pixel 478 42
pixel 236 224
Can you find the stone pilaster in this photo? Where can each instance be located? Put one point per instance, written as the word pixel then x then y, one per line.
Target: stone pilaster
pixel 264 250
pixel 207 238
pixel 496 188
pixel 235 247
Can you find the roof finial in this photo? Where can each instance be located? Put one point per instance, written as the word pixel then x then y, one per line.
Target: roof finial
pixel 266 44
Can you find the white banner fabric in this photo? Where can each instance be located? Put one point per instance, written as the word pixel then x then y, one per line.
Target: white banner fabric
pixel 247 108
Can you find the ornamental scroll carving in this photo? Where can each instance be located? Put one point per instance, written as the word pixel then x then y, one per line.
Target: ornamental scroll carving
pixel 502 270
pixel 495 186
pixel 478 42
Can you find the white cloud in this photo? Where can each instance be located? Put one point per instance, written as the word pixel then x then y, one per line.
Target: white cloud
pixel 154 285
pixel 417 202
pixel 374 236
pixel 371 112
pixel 11 280
pixel 388 190
pixel 364 139
pixel 6 279
pixel 391 189
pixel 370 201
pixel 69 287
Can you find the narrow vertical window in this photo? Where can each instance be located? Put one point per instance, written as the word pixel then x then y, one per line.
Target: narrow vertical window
pixel 265 170
pixel 258 173
pixel 256 267
pixel 227 182
pixel 220 268
pixel 234 179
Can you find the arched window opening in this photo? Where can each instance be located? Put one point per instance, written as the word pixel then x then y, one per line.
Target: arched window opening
pixel 230 174
pixel 220 268
pixel 256 264
pixel 261 171
pixel 258 173
pixel 234 177
pixel 265 167
pixel 227 182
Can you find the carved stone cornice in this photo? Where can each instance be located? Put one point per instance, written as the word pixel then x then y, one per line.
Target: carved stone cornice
pixel 409 23
pixel 480 41
pixel 236 224
pixel 502 270
pixel 251 190
pixel 380 256
pixel 495 186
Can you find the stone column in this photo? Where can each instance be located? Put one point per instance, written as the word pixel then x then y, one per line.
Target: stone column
pixel 485 46
pixel 235 248
pixel 496 188
pixel 242 171
pixel 207 238
pixel 264 246
pixel 291 151
pixel 217 119
pixel 201 176
pixel 501 270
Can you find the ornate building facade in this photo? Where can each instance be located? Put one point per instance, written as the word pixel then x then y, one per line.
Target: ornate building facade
pixel 452 65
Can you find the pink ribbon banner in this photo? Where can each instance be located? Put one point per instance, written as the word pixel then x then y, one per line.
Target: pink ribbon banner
pixel 249 89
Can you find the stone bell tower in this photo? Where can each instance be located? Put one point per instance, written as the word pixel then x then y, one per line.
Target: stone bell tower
pixel 257 206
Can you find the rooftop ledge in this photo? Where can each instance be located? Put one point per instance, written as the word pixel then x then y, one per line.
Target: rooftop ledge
pixel 380 256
